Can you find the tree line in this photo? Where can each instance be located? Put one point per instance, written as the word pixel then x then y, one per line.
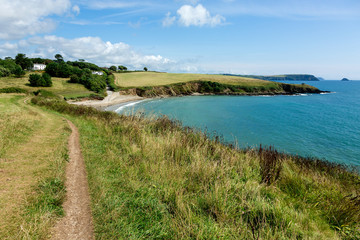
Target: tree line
pixel 88 74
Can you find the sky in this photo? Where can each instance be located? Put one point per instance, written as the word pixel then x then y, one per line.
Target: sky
pixel 263 37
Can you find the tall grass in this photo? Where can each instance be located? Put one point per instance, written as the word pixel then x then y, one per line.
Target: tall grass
pixel 154 179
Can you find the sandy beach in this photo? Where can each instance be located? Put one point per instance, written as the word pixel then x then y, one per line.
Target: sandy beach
pixel 112 98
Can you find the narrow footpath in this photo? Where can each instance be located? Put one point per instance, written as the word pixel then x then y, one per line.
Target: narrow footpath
pixel 77 222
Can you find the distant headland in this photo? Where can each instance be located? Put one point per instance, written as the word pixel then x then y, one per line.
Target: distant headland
pixel 284 77
pixel 345 80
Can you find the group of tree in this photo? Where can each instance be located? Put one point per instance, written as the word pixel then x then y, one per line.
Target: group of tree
pixel 78 72
pixel 16 66
pixel 37 80
pixel 93 82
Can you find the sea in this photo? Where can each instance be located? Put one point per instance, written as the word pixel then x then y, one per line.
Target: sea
pixel 325 126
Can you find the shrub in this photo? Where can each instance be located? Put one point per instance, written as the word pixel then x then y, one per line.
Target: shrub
pixel 4 72
pixel 12 90
pixel 270 164
pixel 47 79
pixel 37 80
pixel 19 72
pixel 74 78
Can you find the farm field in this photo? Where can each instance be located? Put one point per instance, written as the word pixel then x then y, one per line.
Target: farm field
pixel 140 79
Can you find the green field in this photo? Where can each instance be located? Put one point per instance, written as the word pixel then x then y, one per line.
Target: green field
pixel 140 79
pixel 60 86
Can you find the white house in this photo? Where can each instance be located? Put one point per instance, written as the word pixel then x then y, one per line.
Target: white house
pixel 98 73
pixel 39 67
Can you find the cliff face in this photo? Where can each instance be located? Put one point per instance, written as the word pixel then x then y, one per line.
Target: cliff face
pixel 214 88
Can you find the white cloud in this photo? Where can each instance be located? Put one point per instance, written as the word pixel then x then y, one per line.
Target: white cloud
pixel 193 16
pixel 168 20
pixel 76 9
pixel 109 4
pixel 94 49
pixel 198 16
pixel 19 18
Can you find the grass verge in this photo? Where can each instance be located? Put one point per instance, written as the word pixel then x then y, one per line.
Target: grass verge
pixel 33 152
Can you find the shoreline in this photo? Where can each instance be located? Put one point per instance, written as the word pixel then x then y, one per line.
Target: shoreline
pixel 112 99
pixel 116 99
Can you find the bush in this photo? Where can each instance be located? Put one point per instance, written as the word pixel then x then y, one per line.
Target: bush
pixel 37 80
pixel 4 72
pixel 74 78
pixel 47 79
pixel 19 72
pixel 12 90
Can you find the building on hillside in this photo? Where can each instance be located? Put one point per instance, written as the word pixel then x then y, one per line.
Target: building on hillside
pixel 39 67
pixel 98 73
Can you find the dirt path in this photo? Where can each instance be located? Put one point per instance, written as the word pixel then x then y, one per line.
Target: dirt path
pixel 77 223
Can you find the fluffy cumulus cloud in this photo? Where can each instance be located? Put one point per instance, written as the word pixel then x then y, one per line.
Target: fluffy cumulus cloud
pixel 19 18
pixel 193 16
pixel 94 49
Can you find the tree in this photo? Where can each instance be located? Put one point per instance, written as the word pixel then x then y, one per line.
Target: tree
pixel 81 60
pixel 145 69
pixel 113 68
pixel 47 80
pixel 37 80
pixel 19 72
pixel 122 68
pixel 64 70
pixel 4 72
pixel 59 58
pixel 52 69
pixel 23 61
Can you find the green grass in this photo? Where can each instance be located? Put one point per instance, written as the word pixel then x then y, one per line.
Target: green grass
pixel 140 79
pixel 152 179
pixel 60 86
pixel 33 146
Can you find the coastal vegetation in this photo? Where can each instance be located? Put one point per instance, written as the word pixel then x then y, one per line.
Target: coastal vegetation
pixel 152 178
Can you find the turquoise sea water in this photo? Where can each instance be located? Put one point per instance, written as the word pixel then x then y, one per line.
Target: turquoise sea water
pixel 320 125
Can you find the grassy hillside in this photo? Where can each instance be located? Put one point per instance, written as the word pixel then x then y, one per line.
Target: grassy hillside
pixel 33 145
pixel 152 179
pixel 60 86
pixel 152 84
pixel 141 79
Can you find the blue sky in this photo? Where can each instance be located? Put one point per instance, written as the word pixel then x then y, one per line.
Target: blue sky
pixel 319 37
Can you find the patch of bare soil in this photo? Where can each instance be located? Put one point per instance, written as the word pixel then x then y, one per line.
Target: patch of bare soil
pixel 77 223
